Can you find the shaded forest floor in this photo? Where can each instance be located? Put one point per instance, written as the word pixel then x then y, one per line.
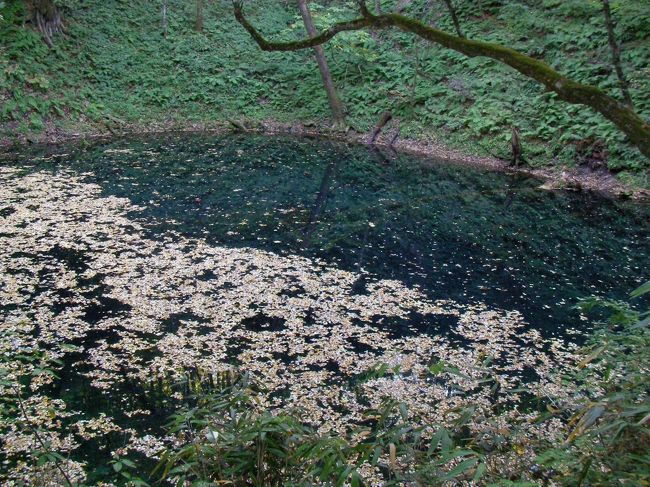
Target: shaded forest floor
pixel 115 72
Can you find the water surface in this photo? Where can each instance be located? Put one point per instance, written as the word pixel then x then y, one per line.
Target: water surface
pixel 305 262
pixel 457 232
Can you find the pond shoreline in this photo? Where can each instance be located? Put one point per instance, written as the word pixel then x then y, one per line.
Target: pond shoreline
pixel 601 181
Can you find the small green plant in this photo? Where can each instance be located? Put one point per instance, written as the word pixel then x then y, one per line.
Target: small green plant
pixel 608 426
pixel 227 438
pixel 24 370
pixel 127 470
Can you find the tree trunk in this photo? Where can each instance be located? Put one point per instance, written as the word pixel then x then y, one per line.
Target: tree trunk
pixel 454 17
pixel 623 116
pixel 164 18
pixel 198 26
pixel 338 113
pixel 515 144
pixel 47 19
pixel 616 54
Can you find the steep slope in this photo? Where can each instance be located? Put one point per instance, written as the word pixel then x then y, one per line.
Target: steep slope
pixel 115 68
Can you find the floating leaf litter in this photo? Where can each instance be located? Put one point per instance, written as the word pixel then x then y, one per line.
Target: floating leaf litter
pixel 77 268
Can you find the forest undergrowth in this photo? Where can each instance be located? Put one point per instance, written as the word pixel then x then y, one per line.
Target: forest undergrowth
pixel 114 69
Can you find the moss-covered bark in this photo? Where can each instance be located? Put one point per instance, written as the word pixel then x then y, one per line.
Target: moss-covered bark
pixel 624 117
pixel 322 38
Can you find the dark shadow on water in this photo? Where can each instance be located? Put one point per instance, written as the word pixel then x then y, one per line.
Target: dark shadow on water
pixel 456 232
pixel 176 320
pixel 262 322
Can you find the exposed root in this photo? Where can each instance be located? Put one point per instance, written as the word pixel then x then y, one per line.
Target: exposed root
pixel 47 19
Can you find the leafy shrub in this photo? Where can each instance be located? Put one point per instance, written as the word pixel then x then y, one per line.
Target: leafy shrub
pixel 609 438
pixel 227 438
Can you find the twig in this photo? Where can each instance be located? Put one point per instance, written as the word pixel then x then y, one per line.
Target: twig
pixel 38 436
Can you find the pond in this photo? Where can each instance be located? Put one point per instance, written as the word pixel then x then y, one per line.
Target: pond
pixel 307 263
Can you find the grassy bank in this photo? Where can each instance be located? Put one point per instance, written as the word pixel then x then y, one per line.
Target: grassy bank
pixel 114 68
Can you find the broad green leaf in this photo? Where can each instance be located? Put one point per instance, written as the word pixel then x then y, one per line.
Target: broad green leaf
pixel 461 468
pixel 641 290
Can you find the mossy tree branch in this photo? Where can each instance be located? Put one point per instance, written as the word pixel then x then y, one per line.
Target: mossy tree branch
pixel 322 38
pixel 624 117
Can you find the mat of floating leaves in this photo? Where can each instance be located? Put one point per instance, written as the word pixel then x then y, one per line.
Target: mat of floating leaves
pixel 77 268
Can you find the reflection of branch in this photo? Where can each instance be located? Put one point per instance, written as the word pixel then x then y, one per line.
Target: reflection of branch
pixel 364 244
pixel 628 121
pixel 38 436
pixel 510 197
pixel 359 285
pixel 384 155
pixel 320 202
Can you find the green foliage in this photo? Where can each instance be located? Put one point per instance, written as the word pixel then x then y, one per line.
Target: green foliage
pixel 21 371
pixel 223 435
pixel 227 438
pixel 126 469
pixel 32 415
pixel 114 68
pixel 608 441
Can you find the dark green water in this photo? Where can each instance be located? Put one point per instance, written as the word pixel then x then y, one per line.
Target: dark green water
pixel 456 232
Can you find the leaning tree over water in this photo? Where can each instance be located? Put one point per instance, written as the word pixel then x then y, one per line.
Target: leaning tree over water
pixel 621 114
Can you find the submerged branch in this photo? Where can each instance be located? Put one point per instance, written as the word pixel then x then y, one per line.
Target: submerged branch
pixel 624 117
